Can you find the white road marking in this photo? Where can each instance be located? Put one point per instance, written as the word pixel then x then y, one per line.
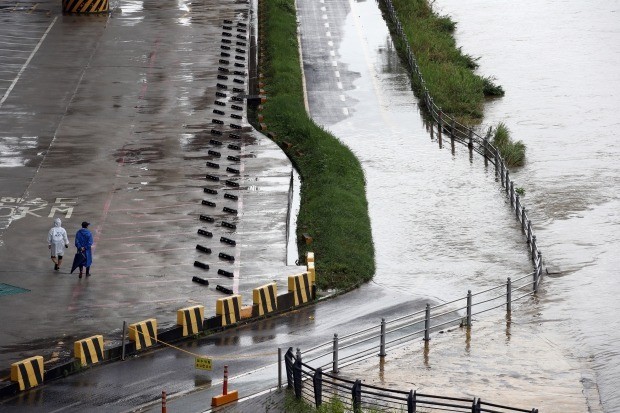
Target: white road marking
pixel 345 111
pixel 342 98
pixel 337 73
pixel 330 43
pixel 328 34
pixel 339 84
pixel 334 63
pixel 332 53
pixel 21 72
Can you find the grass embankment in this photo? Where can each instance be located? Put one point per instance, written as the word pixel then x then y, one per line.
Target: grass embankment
pixel 334 210
pixel 449 73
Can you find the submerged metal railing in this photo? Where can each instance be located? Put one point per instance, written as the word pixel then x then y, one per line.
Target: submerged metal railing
pixel 316 387
pixel 476 143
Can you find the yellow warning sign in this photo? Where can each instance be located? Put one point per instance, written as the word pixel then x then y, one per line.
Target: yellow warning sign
pixel 204 363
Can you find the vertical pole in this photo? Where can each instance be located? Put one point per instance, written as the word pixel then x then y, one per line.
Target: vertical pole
pixel 517 206
pixel 468 308
pixel 440 123
pixel 452 130
pixel 335 356
pixel 225 383
pixel 534 248
pixel 317 382
pixel 507 181
pixel 529 231
pixel 123 340
pixel 470 144
pixel 279 368
pixel 297 375
pixel 501 170
pixel 163 402
pixel 411 402
pixel 382 345
pixel 508 295
pixel 427 322
pixel 512 194
pixel 523 219
pixel 356 392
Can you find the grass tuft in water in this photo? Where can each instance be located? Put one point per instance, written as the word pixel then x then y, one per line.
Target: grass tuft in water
pixel 512 152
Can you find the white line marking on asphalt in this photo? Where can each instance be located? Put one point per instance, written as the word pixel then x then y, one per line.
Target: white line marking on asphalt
pixel 339 85
pixel 323 9
pixel 324 17
pixel 332 53
pixel 345 111
pixel 334 63
pixel 327 25
pixel 330 43
pixel 337 73
pixel 328 34
pixel 342 98
pixel 21 72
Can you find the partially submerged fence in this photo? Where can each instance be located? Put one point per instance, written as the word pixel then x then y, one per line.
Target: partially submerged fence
pixel 468 136
pixel 316 386
pixel 377 339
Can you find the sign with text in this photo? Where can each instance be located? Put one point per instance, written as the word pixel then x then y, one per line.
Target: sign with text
pixel 204 363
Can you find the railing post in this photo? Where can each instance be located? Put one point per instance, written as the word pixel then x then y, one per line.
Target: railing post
pixel 468 308
pixel 297 385
pixel 517 206
pixel 164 409
pixel 538 271
pixel 475 407
pixel 288 365
pixel 452 129
pixel 534 248
pixel 123 340
pixel 512 194
pixel 508 295
pixel 382 344
pixel 508 182
pixel 529 231
pixel 335 355
pixel 427 322
pixel 523 219
pixel 317 381
pixel 411 402
pixel 279 367
pixel 356 392
pixel 470 144
pixel 440 123
pixel 501 170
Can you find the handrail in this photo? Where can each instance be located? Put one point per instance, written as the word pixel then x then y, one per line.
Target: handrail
pixel 312 384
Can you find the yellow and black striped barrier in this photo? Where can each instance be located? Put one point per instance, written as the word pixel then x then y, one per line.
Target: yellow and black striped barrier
pixel 143 333
pixel 311 272
pixel 89 350
pixel 301 287
pixel 229 308
pixel 28 373
pixel 191 319
pixel 85 6
pixel 266 298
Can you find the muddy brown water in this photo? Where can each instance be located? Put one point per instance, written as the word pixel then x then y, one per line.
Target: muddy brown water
pixel 558 62
pixel 440 222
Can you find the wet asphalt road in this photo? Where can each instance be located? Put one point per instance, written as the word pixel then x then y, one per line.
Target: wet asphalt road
pixel 108 119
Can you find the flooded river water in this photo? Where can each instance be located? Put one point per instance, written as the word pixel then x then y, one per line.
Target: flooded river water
pixel 558 62
pixel 439 218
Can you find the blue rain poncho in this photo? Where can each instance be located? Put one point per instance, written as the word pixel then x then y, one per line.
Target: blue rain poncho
pixel 84 239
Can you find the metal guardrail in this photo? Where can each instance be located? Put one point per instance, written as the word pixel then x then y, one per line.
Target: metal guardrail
pixel 468 136
pixel 315 386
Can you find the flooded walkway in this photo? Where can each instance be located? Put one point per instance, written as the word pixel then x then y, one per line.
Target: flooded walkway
pixel 440 221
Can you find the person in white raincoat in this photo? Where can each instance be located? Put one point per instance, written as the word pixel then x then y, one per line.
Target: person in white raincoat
pixel 57 241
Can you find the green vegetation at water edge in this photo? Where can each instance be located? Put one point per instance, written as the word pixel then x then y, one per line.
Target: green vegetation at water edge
pixel 335 405
pixel 512 152
pixel 447 71
pixel 334 210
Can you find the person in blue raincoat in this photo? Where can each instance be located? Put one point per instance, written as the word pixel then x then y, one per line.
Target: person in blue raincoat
pixel 84 242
